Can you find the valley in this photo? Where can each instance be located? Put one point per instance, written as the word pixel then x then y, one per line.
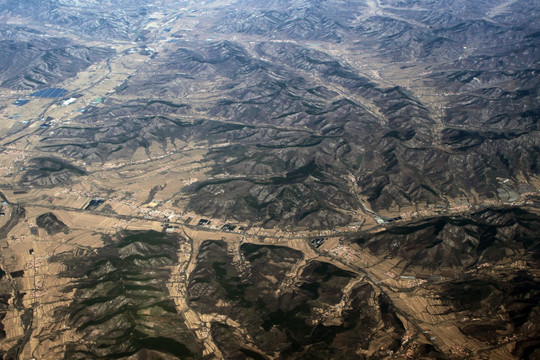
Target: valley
pixel 269 180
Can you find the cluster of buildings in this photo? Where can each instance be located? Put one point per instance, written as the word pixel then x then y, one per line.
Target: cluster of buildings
pixel 137 162
pixel 36 262
pixel 317 242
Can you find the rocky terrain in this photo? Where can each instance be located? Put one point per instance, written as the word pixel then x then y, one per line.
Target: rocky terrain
pixel 269 180
pixel 291 319
pixel 35 62
pixel 122 295
pixel 51 224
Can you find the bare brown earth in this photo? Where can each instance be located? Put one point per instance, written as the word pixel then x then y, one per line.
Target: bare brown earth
pixel 270 181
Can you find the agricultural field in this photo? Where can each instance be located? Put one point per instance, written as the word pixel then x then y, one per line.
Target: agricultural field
pixel 269 180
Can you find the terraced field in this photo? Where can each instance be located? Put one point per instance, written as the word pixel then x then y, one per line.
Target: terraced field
pixel 269 180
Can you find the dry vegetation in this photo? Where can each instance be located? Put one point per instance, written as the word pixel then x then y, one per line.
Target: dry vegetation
pixel 361 271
